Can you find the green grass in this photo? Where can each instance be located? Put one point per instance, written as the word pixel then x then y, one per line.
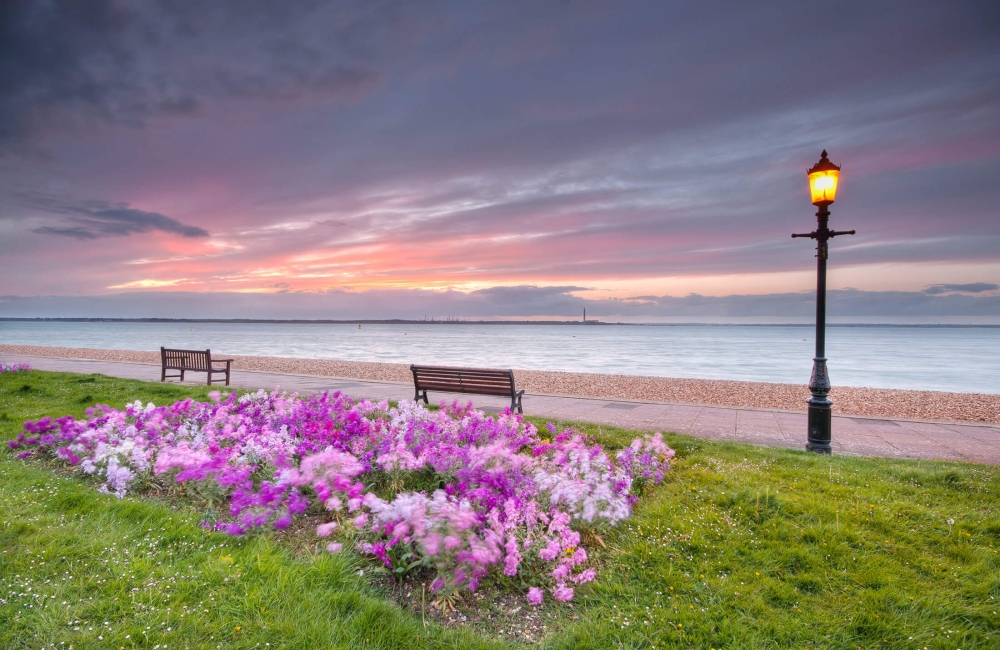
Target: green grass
pixel 742 547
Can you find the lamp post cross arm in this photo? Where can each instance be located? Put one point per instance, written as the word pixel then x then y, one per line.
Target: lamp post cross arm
pixel 821 234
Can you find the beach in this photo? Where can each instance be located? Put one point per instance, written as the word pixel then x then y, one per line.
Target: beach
pixel 946 359
pixel 863 402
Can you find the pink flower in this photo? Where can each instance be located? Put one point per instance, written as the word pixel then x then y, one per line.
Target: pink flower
pixel 432 544
pixel 563 593
pixel 325 529
pixel 509 496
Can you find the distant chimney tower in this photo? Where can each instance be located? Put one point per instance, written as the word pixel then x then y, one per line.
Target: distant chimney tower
pixel 584 314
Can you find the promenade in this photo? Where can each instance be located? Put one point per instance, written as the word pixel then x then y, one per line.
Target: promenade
pixel 852 435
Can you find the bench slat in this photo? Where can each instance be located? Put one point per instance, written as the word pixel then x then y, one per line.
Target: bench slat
pixel 462 371
pixel 473 378
pixel 488 371
pixel 455 388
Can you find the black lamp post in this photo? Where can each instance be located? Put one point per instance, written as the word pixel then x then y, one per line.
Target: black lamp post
pixel 823 178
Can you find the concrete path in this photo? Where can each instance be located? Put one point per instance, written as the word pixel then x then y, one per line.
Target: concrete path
pixel 893 438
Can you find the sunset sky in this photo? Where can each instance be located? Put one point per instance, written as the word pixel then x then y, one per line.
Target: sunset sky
pixel 513 157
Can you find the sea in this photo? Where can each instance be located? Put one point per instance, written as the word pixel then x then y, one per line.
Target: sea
pixel 944 358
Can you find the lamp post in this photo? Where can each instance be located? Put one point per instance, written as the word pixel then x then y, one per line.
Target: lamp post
pixel 823 179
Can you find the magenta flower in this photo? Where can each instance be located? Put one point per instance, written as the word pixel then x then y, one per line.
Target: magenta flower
pixel 506 498
pixel 563 593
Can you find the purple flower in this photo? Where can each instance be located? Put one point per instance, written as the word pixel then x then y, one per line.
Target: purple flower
pixel 506 496
pixel 563 593
pixel 324 530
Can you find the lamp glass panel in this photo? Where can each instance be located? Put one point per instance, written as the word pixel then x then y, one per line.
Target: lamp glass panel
pixel 823 186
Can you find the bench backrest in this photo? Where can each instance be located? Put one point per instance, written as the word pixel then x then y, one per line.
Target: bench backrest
pixel 186 359
pixel 481 381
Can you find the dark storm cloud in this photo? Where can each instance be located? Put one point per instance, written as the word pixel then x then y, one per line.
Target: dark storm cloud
pixel 74 65
pixel 975 287
pixel 95 219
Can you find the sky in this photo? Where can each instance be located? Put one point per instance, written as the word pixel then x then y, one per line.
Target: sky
pixel 643 160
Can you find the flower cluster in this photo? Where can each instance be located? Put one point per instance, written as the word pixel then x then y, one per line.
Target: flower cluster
pixel 503 498
pixel 14 367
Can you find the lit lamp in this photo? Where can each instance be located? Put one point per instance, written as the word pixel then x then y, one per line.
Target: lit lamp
pixel 823 179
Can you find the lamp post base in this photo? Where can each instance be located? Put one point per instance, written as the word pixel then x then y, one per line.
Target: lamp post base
pixel 820 421
pixel 820 410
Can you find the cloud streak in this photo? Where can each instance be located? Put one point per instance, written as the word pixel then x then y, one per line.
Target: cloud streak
pixel 100 219
pixel 975 287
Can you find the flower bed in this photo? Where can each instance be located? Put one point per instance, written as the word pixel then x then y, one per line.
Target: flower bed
pixel 494 494
pixel 15 367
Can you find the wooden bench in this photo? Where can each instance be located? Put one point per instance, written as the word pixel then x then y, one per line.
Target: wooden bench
pixel 191 361
pixel 479 381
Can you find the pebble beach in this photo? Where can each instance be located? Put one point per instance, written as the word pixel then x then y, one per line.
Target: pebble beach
pixel 865 402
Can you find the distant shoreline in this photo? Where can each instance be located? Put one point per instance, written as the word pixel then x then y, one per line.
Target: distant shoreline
pixel 399 321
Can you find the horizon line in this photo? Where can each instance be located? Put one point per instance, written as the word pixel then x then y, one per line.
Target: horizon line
pixel 402 321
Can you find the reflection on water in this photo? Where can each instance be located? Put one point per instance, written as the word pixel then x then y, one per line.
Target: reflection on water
pixel 930 358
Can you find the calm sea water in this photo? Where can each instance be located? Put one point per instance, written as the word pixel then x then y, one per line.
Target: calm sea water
pixel 931 358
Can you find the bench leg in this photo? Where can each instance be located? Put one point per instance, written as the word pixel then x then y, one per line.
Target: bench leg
pixel 515 402
pixel 163 375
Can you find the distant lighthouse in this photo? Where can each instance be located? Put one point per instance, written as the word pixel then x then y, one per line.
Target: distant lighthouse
pixel 584 314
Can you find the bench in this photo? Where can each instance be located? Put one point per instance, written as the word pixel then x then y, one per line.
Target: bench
pixel 191 361
pixel 479 381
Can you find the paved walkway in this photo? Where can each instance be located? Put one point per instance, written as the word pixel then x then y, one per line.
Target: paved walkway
pixel 893 438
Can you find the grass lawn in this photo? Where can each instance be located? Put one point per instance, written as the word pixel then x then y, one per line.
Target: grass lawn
pixel 741 547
